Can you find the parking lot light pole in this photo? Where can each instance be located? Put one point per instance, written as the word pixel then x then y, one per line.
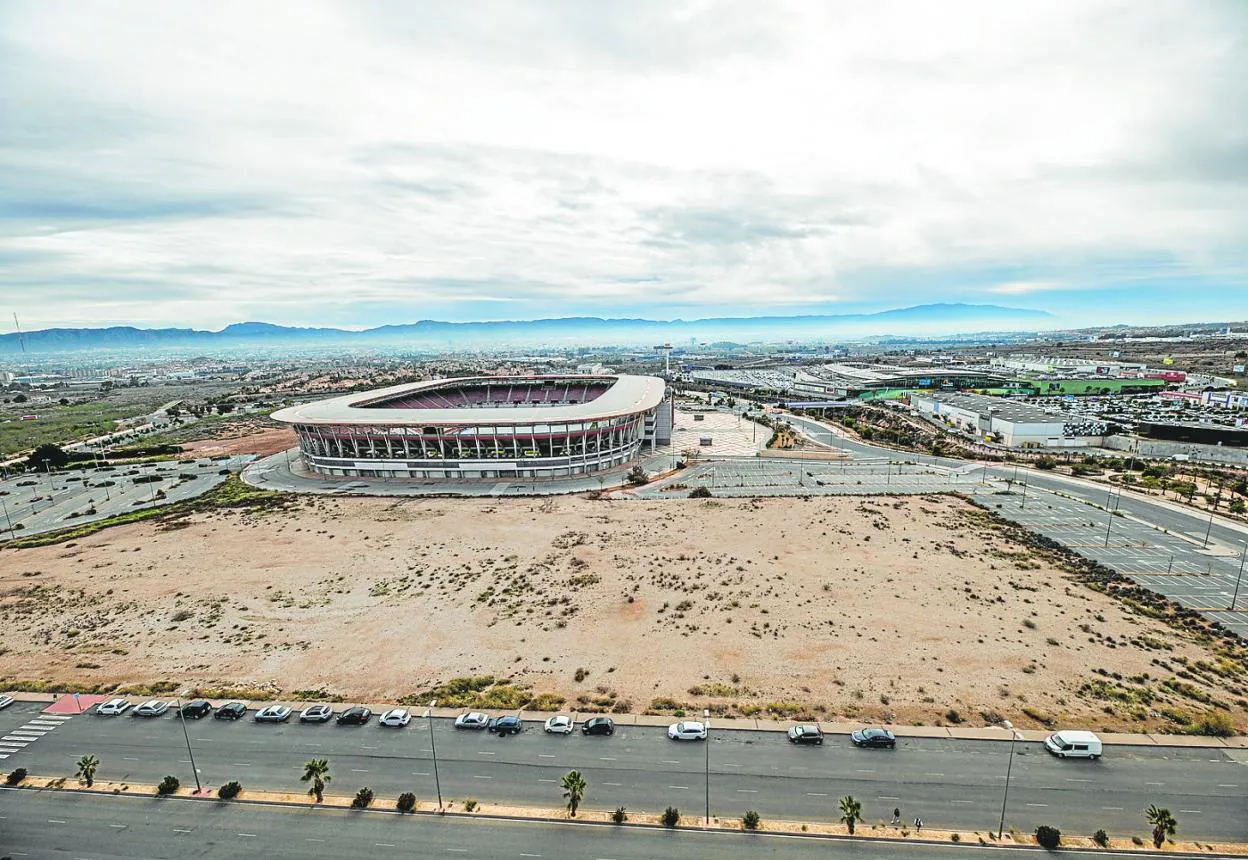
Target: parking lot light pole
pixel 189 751
pixel 1208 530
pixel 8 521
pixel 434 747
pixel 1009 766
pixel 706 717
pixel 1242 557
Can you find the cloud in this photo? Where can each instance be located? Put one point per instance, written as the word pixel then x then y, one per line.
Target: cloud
pixel 303 161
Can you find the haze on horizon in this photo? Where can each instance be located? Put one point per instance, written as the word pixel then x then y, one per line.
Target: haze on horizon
pixel 357 164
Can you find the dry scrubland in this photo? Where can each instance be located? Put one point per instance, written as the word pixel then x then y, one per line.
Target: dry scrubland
pixel 915 610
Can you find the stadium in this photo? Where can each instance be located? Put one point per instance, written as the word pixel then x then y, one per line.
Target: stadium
pixel 484 427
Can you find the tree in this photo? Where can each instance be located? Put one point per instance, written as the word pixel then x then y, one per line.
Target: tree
pixel 407 802
pixel 637 476
pixel 851 812
pixel 316 771
pixel 168 785
pixel 751 820
pixel 86 769
pixel 20 398
pixel 1164 824
pixel 64 401
pixel 574 790
pixel 53 455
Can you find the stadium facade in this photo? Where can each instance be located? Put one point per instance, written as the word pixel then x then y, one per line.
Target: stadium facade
pixel 485 427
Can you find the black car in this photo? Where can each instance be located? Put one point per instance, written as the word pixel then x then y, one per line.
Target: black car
pixel 231 711
pixel 507 725
pixel 806 734
pixel 196 709
pixel 873 738
pixel 356 716
pixel 598 726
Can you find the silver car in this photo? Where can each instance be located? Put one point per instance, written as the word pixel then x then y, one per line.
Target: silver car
pixel 151 708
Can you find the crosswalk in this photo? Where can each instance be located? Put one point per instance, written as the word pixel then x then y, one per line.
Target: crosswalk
pixel 18 739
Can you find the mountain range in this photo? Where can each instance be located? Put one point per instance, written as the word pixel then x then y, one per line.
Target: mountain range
pixel 920 320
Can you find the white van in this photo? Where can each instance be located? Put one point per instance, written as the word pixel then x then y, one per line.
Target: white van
pixel 1073 744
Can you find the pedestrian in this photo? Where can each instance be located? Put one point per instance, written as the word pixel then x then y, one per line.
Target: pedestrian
pixel 896 815
pixel 918 825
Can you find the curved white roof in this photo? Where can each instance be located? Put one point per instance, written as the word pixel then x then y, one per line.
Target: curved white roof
pixel 627 395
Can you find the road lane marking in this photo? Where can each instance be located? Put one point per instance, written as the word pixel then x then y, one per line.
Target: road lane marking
pixel 1192 811
pixel 1227 785
pixel 747 791
pixel 180 830
pixel 119 826
pixel 241 764
pixel 522 854
pixel 384 844
pixel 420 773
pixel 816 794
pixel 730 765
pixel 547 780
pixel 476 776
pixel 1154 783
pixel 607 758
pixel 961 801
pixel 887 797
pixel 1112 808
pixel 1069 779
pixel 933 774
pixel 670 761
pixel 55 821
pixel 1040 805
pixel 247 835
pixel 458 850
pixel 613 784
pixel 679 787
pixel 545 755
pixel 358 770
pixel 865 771
pixel 129 758
pixel 481 752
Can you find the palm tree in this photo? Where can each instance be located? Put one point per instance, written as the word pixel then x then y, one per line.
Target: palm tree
pixel 574 790
pixel 851 812
pixel 86 769
pixel 1164 824
pixel 316 771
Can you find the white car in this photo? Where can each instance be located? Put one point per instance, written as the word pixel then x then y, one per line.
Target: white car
pixel 112 707
pixel 472 720
pixel 151 708
pixel 316 714
pixel 395 717
pixel 5 701
pixel 559 724
pixel 684 731
pixel 273 714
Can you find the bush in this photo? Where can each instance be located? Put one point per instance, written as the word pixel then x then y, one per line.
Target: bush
pixel 700 493
pixel 362 798
pixel 15 776
pixel 1048 837
pixel 1045 463
pixel 229 791
pixel 1101 838
pixel 750 820
pixel 1214 724
pixel 470 805
pixel 620 815
pixel 168 785
pixel 670 817
pixel 955 837
pixel 407 802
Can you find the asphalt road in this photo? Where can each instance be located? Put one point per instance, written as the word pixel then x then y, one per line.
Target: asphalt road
pixel 948 783
pixel 93 827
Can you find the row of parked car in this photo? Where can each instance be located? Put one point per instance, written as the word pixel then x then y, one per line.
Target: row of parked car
pixel 508 724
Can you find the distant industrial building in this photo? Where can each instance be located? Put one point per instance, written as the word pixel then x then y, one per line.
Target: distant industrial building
pixel 857 381
pixel 1007 422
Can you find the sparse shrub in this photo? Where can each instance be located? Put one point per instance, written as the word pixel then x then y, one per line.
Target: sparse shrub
pixel 362 798
pixel 1101 838
pixel 751 820
pixel 620 815
pixel 581 675
pixel 955 837
pixel 168 785
pixel 1048 837
pixel 407 802
pixel 670 817
pixel 1029 624
pixel 953 716
pixel 1213 724
pixel 230 790
pixel 470 805
pixel 15 776
pixel 700 493
pixel 1135 840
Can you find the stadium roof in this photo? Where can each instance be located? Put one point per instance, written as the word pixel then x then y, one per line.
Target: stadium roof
pixel 627 395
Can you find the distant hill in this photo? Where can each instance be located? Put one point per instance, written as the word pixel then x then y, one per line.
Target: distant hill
pixel 920 320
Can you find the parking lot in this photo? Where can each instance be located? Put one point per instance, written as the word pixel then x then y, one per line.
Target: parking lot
pixel 37 502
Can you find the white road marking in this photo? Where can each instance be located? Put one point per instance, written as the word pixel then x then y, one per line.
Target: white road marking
pixel 247 835
pixel 310 839
pixel 545 755
pixel 420 773
pixel 1226 785
pixel 1112 808
pixel 384 844
pixel 747 791
pixel 1154 783
pixel 613 784
pixel 1192 811
pixel 358 770
pixel 679 787
pixel 670 761
pixel 887 797
pixel 1039 805
pixel 961 801
pixel 475 776
pixel 55 821
pixel 180 830
pixel 607 758
pixel 241 764
pixel 522 854
pixel 479 752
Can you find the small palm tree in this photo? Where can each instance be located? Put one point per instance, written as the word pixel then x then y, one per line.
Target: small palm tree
pixel 574 790
pixel 851 812
pixel 316 771
pixel 86 769
pixel 1164 824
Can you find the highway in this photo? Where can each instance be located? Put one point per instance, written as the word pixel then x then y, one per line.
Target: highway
pixel 948 783
pixel 95 827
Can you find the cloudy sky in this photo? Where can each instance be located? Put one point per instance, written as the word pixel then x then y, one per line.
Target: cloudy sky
pixel 369 162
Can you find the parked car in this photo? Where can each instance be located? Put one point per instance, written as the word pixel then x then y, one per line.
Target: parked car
pixel 395 718
pixel 687 731
pixel 231 711
pixel 598 726
pixel 196 709
pixel 112 707
pixel 316 714
pixel 356 716
pixel 807 734
pixel 5 701
pixel 1073 744
pixel 472 720
pixel 506 725
pixel 273 714
pixel 559 724
pixel 151 708
pixel 873 737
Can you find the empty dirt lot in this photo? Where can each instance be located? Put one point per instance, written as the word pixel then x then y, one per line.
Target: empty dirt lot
pixel 915 610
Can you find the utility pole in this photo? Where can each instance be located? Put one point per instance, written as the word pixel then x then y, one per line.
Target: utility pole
pixel 194 770
pixel 706 716
pixel 1006 794
pixel 434 747
pixel 1242 556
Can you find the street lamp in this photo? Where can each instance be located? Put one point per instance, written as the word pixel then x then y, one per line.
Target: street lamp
pixel 706 717
pixel 182 718
pixel 8 521
pixel 434 747
pixel 1208 530
pixel 1242 556
pixel 1009 766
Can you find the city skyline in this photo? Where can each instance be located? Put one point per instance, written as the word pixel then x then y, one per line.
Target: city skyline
pixel 357 165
